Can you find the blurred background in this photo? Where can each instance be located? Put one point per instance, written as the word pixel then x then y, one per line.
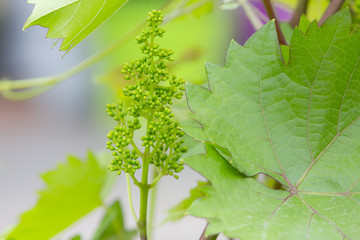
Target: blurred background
pixel 37 134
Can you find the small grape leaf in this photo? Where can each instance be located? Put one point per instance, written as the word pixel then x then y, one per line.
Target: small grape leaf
pixel 297 123
pixel 304 24
pixel 77 237
pixel 287 31
pixel 71 20
pixel 180 210
pixel 72 190
pixel 112 225
pixel 5 232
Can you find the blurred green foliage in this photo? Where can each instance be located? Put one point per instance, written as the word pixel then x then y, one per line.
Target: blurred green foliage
pixel 196 38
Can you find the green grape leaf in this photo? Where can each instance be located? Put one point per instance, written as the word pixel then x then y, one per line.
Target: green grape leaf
pixel 304 24
pixel 295 123
pixel 285 50
pixel 287 31
pixel 354 7
pixel 72 190
pixel 71 20
pixel 180 210
pixel 112 225
pixel 5 232
pixel 77 237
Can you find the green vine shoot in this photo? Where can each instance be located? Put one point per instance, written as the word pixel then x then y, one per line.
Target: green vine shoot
pixel 151 95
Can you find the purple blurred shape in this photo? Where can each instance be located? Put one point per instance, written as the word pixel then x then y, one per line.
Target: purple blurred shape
pixel 244 27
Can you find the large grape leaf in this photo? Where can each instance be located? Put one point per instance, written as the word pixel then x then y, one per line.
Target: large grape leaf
pixel 71 20
pixel 72 190
pixel 297 123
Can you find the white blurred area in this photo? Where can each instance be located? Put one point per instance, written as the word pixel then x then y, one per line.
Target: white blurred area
pixel 37 134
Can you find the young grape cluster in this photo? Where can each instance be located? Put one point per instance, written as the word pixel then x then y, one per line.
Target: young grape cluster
pixel 151 95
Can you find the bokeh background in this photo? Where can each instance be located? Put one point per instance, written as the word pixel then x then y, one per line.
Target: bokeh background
pixel 37 134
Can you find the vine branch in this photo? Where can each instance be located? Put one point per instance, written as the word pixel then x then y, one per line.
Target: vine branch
pixel 271 13
pixel 333 7
pixel 300 10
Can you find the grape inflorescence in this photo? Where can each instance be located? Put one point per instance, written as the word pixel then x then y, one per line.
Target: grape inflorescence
pixel 151 95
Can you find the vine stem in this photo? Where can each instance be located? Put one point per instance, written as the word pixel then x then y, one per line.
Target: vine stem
pixel 144 195
pixel 152 205
pixel 144 186
pixel 300 10
pixel 333 7
pixel 271 13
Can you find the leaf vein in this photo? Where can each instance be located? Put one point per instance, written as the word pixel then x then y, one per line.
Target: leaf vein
pixel 102 6
pixel 323 217
pixel 68 21
pixel 263 112
pixel 308 112
pixel 343 97
pixel 308 226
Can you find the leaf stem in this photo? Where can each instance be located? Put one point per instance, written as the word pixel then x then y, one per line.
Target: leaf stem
pixel 130 198
pixel 300 10
pixel 333 7
pixel 30 93
pixel 271 14
pixel 211 237
pixel 9 85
